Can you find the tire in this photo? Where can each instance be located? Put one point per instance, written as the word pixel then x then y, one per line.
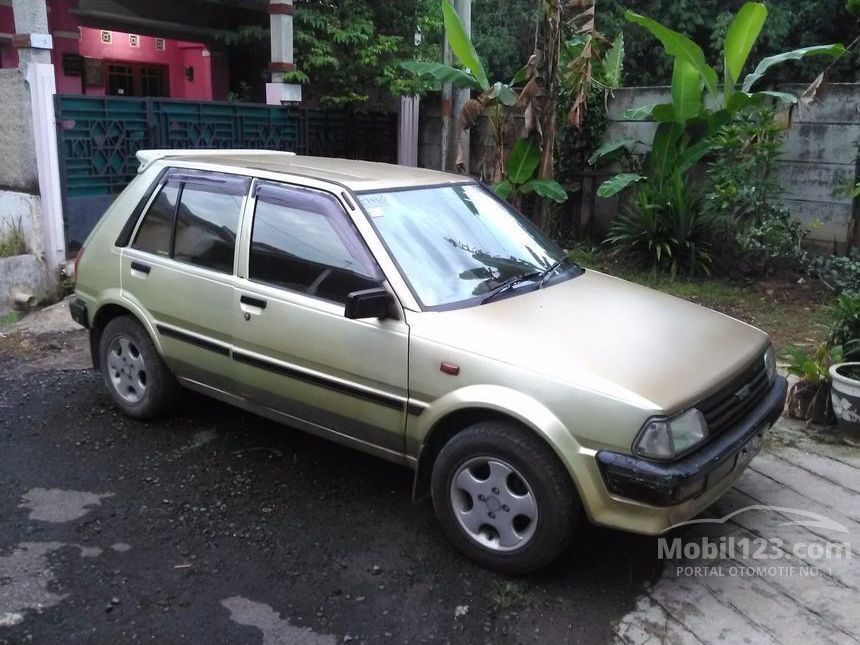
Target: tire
pixel 134 374
pixel 535 483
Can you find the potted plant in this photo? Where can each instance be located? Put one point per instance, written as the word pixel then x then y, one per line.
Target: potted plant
pixel 845 396
pixel 809 398
pixel 845 391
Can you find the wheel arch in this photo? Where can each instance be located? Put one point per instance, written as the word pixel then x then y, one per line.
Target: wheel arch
pixel 108 311
pixel 495 404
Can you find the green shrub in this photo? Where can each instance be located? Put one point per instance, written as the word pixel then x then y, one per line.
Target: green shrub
pixel 845 325
pixel 840 273
pixel 741 171
pixel 775 233
pixel 664 229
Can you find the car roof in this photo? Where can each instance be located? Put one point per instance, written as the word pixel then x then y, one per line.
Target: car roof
pixel 354 174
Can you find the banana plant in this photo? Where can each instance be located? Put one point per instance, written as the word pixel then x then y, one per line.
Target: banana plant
pixel 686 124
pixel 520 174
pixel 472 75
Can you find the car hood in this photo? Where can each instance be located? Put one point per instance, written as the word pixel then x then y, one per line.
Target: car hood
pixel 605 334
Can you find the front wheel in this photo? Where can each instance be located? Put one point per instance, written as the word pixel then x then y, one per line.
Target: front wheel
pixel 503 498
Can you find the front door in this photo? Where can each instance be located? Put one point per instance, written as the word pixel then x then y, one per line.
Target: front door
pixel 180 269
pixel 294 350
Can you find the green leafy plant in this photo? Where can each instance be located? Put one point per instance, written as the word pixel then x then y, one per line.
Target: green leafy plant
pixel 839 273
pixel 776 234
pixel 686 125
pixel 664 229
pixel 12 241
pixel 845 325
pixel 741 172
pixel 493 97
pixel 520 174
pixel 346 55
pixel 472 74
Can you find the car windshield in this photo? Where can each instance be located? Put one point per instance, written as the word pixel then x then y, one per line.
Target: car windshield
pixel 456 244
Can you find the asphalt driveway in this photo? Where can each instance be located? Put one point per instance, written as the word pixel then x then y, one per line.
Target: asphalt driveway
pixel 215 526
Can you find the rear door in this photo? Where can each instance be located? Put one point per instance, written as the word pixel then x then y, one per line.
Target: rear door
pixel 179 268
pixel 295 352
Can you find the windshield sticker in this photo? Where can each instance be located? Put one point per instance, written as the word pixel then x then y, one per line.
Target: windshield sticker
pixel 375 211
pixel 377 200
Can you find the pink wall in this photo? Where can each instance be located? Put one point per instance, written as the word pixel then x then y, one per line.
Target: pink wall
pixel 176 55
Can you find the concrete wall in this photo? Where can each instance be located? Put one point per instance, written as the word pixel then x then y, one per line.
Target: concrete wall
pixel 481 141
pixel 819 160
pixel 20 204
pixel 17 152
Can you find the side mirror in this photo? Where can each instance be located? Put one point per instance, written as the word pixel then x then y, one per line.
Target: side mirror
pixel 368 303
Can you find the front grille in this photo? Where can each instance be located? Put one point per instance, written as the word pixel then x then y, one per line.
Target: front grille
pixel 732 403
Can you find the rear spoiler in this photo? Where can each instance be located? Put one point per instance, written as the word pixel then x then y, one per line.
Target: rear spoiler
pixel 146 157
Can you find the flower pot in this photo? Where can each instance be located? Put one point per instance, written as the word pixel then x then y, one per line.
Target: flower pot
pixel 845 393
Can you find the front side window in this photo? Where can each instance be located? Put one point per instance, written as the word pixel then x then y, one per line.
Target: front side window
pixel 457 244
pixel 193 219
pixel 303 241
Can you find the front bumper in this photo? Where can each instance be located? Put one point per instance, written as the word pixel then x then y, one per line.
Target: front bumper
pixel 670 484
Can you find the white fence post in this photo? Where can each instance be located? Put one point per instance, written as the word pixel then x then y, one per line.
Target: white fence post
pixel 40 77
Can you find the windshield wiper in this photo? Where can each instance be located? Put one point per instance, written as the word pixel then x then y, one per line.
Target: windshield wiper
pixel 509 284
pixel 545 275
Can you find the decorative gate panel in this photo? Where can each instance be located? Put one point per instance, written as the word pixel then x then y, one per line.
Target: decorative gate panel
pixel 99 136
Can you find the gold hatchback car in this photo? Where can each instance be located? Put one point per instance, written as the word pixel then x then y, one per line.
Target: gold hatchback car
pixel 412 314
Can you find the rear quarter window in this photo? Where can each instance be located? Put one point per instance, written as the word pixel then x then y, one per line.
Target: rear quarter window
pixel 156 229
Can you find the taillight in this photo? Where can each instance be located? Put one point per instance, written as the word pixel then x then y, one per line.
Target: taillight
pixel 78 257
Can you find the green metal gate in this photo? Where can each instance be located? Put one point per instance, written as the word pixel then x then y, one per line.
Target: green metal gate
pixel 99 136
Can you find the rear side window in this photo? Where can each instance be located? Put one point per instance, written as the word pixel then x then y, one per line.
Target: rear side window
pixel 194 218
pixel 303 241
pixel 206 225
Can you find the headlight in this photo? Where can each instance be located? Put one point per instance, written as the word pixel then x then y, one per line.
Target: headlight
pixel 666 438
pixel 770 363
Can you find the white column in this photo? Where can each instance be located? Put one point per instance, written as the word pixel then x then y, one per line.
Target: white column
pixel 34 45
pixel 40 77
pixel 281 27
pixel 407 133
pixel 31 32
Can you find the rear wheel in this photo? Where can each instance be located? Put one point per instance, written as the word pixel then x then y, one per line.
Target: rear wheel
pixel 134 373
pixel 503 498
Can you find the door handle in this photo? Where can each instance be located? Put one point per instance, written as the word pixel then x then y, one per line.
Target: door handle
pixel 253 302
pixel 140 266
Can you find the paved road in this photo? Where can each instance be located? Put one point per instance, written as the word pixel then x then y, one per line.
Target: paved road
pixel 219 527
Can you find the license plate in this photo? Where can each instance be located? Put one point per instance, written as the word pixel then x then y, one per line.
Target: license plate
pixel 750 450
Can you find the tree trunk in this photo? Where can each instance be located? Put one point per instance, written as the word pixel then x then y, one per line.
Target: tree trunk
pixel 550 45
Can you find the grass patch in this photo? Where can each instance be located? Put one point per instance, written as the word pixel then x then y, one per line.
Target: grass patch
pixel 510 595
pixel 12 240
pixel 793 310
pixel 9 319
